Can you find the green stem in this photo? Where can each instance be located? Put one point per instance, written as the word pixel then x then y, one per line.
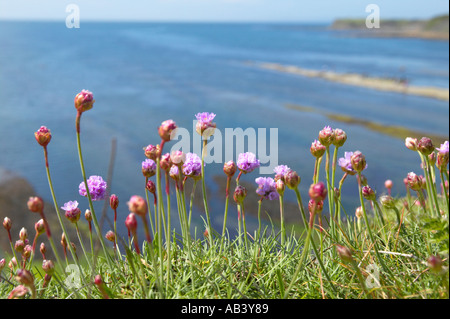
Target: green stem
pixel 432 186
pixel 205 202
pixel 91 206
pixel 444 189
pixel 283 228
pixel 82 247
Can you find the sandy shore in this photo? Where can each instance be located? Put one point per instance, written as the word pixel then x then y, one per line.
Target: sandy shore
pixel 354 79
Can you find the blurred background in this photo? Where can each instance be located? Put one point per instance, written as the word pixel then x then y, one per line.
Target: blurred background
pixel 148 61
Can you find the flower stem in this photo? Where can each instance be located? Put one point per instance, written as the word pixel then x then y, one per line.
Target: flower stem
pixel 91 206
pixel 205 201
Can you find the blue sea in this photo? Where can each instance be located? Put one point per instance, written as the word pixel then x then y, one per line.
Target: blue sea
pixel 144 73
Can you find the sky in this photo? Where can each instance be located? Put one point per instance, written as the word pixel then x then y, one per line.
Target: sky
pixel 219 10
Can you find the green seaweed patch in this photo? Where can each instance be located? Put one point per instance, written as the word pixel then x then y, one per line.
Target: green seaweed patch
pixel 396 131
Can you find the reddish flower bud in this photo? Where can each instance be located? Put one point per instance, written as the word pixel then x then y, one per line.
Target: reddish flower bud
pixel 23 234
pixel 88 215
pixel 114 201
pixel 388 184
pixel 131 223
pixel 368 193
pixel 151 187
pixel 318 192
pixel 340 137
pixel 280 186
pixel 111 236
pixel 344 253
pixel 177 158
pixel 2 264
pixel 317 149
pixel 166 129
pixel 239 194
pixel 387 201
pixel 326 136
pixel 137 205
pixel 435 263
pixel 291 179
pixel 425 146
pixel 165 163
pixel 358 161
pixel 35 204
pixel 411 143
pixel 42 249
pixel 230 168
pixel 48 266
pixel 18 292
pixel 317 206
pixel 25 277
pixel 84 101
pixel 19 246
pixel 43 136
pixel 39 227
pixel 152 152
pixel 7 223
pixel 414 181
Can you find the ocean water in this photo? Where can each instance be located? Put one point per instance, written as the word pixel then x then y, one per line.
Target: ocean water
pixel 144 73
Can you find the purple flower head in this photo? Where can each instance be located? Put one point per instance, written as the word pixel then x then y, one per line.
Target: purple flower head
pixel 444 148
pixel 267 188
pixel 97 188
pixel 84 101
pixel 148 168
pixel 72 211
pixel 205 126
pixel 247 162
pixel 280 172
pixel 192 167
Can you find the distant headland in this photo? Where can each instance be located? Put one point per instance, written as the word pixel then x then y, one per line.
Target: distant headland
pixel 436 28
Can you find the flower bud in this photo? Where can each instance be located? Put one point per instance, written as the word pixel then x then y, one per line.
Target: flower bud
pixel 387 201
pixel 368 193
pixel 229 168
pixel 19 246
pixel 88 215
pixel 43 136
pixel 2 264
pixel 316 206
pixel 35 204
pixel 411 143
pixel 23 234
pixel 340 137
pixel 425 146
pixel 111 236
pixel 152 152
pixel 27 251
pixel 359 212
pixel 63 241
pixel 414 181
pixel 42 249
pixel 280 186
pixel 432 158
pixel 165 163
pixel 39 227
pixel 178 158
pixel 435 263
pixel 98 280
pixel 174 172
pixel 388 184
pixel 318 192
pixel 326 136
pixel 114 201
pixel 205 126
pixel 72 212
pixel 7 223
pixel 48 266
pixel 291 179
pixel 344 253
pixel 358 161
pixel 442 161
pixel 151 187
pixel 84 101
pixel 239 194
pixel 12 263
pixel 148 168
pixel 18 292
pixel 137 205
pixel 317 149
pixel 25 277
pixel 131 223
pixel 166 129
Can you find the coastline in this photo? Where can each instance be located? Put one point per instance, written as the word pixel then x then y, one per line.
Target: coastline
pixel 354 79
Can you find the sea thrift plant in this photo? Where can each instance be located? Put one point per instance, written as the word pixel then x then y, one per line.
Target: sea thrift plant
pixel 323 257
